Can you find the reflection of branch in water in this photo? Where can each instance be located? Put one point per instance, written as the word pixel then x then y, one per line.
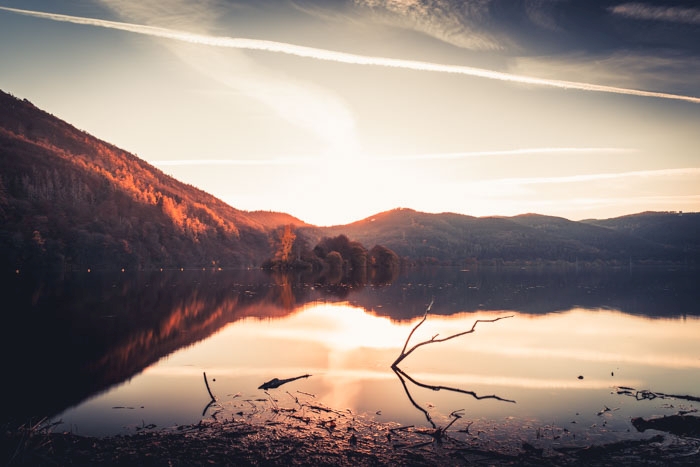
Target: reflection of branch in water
pixel 213 399
pixel 644 394
pixel 410 398
pixel 403 376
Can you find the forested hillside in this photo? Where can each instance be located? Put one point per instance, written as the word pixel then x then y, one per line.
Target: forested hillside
pixel 457 239
pixel 70 200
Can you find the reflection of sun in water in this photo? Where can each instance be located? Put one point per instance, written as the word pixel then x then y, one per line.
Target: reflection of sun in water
pixel 342 328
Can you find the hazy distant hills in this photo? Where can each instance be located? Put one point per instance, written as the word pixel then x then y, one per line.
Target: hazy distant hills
pixel 69 200
pixel 530 237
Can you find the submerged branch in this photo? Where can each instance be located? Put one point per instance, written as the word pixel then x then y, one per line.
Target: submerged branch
pixel 403 376
pixel 405 353
pixel 213 399
pixel 276 382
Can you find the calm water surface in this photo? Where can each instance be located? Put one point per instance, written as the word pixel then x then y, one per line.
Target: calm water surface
pixel 125 353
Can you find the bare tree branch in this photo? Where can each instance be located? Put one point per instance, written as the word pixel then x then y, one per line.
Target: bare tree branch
pixel 425 315
pixel 213 399
pixel 405 353
pixel 403 376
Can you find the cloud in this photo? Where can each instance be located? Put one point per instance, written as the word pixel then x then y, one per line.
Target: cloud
pixel 540 12
pixel 456 23
pixel 673 14
pixel 623 68
pixel 237 162
pixel 302 104
pixel 348 58
pixel 683 172
pixel 507 152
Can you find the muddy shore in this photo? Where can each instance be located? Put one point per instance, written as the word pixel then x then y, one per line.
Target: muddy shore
pixel 321 436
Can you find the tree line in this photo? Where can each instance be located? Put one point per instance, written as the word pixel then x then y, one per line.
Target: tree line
pixel 335 259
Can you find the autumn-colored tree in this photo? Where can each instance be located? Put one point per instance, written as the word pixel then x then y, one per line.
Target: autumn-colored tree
pixel 383 258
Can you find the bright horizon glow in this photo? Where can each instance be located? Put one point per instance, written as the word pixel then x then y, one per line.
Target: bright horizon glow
pixel 382 107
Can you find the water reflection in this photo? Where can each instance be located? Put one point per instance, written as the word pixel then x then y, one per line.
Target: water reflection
pixel 126 350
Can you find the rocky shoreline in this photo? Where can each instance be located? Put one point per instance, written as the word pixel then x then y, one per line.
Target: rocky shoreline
pixel 321 436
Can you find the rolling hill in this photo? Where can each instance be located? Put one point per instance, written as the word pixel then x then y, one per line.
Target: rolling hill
pixel 458 239
pixel 69 200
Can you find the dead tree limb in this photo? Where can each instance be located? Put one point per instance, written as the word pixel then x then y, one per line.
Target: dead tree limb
pixel 213 399
pixel 276 382
pixel 425 316
pixel 208 390
pixel 405 353
pixel 403 376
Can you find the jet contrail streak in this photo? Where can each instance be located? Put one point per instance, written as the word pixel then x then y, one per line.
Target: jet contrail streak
pixel 342 57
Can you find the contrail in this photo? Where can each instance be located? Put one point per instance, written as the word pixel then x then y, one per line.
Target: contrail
pixel 342 57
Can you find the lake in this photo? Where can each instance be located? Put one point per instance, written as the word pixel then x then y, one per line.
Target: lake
pixel 568 356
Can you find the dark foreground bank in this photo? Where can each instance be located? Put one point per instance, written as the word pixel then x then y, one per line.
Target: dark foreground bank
pixel 295 439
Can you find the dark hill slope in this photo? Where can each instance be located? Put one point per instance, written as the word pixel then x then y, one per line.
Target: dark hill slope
pixel 68 199
pixel 456 238
pixel 605 242
pixel 671 229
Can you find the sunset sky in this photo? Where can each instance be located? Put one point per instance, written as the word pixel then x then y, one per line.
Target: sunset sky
pixel 334 110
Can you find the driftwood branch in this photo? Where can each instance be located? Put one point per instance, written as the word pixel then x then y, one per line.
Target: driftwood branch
pixel 213 399
pixel 425 316
pixel 276 382
pixel 405 353
pixel 403 376
pixel 206 382
pixel 646 394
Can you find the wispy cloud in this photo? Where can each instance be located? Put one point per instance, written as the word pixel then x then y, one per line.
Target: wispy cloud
pixel 341 57
pixel 641 11
pixel 508 152
pixel 283 161
pixel 683 172
pixel 456 23
pixel 235 162
pixel 623 68
pixel 303 104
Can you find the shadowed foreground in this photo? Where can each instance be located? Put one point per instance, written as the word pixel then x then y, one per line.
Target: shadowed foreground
pixel 323 436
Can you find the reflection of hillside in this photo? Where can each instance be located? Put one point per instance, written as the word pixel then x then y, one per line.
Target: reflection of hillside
pixel 65 340
pixel 79 336
pixel 649 292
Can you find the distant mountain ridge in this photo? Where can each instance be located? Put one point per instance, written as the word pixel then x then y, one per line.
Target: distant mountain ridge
pixel 459 239
pixel 69 200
